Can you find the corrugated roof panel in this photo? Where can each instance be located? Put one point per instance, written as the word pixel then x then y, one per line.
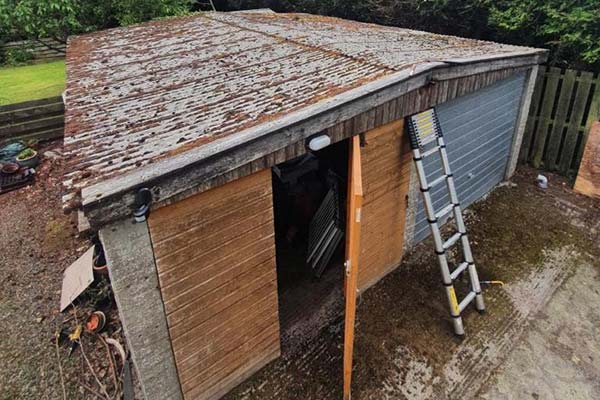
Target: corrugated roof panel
pixel 140 94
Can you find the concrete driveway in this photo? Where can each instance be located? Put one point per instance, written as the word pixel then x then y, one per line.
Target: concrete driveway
pixel 559 357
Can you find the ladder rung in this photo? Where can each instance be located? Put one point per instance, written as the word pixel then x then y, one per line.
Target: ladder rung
pixel 453 239
pixel 444 211
pixel 466 301
pixel 437 181
pixel 431 151
pixel 459 270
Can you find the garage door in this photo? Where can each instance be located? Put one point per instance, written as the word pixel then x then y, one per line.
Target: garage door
pixel 478 130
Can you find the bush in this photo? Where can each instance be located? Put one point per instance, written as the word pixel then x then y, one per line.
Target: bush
pixel 17 56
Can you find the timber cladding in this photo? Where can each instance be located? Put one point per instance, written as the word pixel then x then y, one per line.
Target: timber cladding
pixel 386 161
pixel 215 257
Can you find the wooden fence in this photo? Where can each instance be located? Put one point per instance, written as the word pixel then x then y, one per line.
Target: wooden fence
pixel 38 119
pixel 563 107
pixel 38 50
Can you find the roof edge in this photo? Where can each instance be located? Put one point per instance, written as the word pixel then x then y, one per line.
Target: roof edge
pixel 113 199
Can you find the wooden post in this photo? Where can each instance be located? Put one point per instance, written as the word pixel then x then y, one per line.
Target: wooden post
pixel 355 197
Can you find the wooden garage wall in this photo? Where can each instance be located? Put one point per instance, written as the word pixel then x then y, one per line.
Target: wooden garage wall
pixel 386 161
pixel 215 256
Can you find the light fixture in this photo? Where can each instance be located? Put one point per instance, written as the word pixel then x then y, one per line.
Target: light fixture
pixel 318 142
pixel 143 201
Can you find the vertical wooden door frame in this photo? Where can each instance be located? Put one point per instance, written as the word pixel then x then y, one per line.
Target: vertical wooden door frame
pixel 354 201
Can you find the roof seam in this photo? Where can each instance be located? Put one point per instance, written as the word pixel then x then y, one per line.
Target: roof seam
pixel 309 46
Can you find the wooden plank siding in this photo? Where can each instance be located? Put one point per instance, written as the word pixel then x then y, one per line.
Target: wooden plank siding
pixel 215 256
pixel 38 119
pixel 564 105
pixel 386 161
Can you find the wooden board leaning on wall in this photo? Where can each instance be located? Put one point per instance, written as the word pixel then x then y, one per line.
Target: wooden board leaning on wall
pixel 588 177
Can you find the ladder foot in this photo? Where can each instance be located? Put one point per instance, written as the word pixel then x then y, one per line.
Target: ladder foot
pixel 482 312
pixel 479 303
pixel 459 330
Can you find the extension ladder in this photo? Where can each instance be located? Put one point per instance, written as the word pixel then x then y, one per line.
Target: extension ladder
pixel 426 139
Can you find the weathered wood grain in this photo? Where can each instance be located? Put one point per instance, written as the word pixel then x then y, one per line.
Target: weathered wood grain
pixel 39 119
pixel 38 48
pixel 544 120
pixel 354 221
pixel 215 257
pixel 556 134
pixel 568 151
pixel 386 175
pixel 565 103
pixel 588 178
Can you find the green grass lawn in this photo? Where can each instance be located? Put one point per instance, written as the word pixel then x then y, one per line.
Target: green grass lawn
pixel 31 82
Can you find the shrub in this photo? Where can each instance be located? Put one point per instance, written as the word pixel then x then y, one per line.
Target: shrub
pixel 17 56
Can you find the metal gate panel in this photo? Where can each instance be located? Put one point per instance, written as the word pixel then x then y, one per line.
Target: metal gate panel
pixel 478 129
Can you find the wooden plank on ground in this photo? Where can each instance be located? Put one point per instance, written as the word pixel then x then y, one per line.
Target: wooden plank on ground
pixel 588 178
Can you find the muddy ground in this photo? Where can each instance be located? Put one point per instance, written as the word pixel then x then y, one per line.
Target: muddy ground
pixel 37 242
pixel 529 238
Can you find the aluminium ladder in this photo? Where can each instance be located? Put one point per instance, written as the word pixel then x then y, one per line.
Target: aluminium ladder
pixel 426 139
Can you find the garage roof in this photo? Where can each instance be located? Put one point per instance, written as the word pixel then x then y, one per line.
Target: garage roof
pixel 144 100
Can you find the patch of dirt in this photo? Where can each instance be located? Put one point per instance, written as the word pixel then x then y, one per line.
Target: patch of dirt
pixel 403 333
pixel 513 232
pixel 37 243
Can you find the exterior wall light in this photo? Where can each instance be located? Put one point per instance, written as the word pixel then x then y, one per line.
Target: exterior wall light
pixel 143 200
pixel 318 142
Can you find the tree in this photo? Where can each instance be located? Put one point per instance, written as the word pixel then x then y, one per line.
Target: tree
pixel 57 19
pixel 570 28
pixel 129 12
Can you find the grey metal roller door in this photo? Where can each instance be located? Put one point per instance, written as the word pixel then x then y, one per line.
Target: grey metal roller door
pixel 478 129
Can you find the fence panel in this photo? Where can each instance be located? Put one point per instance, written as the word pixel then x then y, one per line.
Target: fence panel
pixel 38 49
pixel 564 105
pixel 38 119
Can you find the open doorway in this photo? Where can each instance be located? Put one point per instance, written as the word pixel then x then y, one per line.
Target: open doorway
pixel 309 198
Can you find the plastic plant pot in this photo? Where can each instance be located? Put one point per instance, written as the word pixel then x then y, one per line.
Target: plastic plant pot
pixel 10 168
pixel 28 158
pixel 95 322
